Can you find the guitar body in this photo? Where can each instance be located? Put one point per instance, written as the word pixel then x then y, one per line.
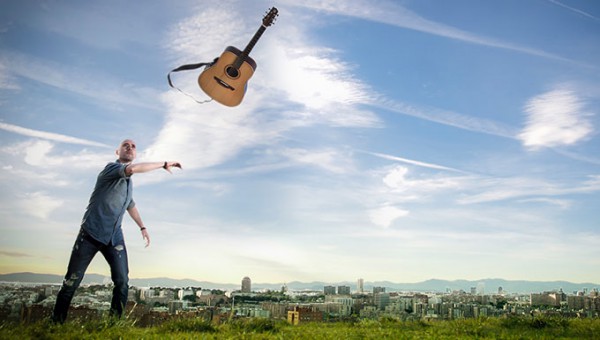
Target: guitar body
pixel 224 82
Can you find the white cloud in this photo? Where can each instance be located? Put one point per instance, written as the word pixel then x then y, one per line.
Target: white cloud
pixel 313 77
pixel 39 204
pixel 36 153
pixel 555 118
pixel 314 83
pixel 328 159
pixel 48 135
pixel 384 216
pixel 206 137
pixel 396 180
pixel 396 177
pixel 204 33
pixel 41 155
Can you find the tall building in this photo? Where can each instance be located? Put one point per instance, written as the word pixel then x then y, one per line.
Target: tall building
pixel 480 288
pixel 360 286
pixel 246 285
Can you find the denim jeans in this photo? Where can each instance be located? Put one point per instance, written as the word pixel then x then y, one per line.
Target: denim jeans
pixel 84 250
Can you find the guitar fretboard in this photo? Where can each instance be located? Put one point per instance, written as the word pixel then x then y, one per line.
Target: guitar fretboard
pixel 240 59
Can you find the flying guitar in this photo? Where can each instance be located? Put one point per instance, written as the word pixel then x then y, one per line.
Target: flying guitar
pixel 226 80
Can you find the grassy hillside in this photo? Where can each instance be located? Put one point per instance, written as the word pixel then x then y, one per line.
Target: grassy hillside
pixel 483 328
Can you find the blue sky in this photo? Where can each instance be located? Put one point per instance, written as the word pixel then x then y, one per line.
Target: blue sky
pixel 383 140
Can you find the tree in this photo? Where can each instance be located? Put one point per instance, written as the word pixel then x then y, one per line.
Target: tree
pixel 191 298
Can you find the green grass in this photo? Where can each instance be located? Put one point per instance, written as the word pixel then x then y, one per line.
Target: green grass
pixel 482 328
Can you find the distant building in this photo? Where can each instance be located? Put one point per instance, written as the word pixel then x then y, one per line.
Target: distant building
pixel 378 290
pixel 360 286
pixel 344 305
pixel 246 285
pixel 329 290
pixel 343 290
pixel 552 299
pixel 301 315
pixel 576 302
pixel 480 288
pixel 381 300
pixel 175 305
pixel 146 293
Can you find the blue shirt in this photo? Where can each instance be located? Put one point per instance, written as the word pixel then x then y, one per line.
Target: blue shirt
pixel 111 197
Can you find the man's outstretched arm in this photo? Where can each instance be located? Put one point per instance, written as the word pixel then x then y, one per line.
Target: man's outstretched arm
pixel 149 166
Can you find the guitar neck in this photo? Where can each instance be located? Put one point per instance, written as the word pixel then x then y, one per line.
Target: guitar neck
pixel 240 59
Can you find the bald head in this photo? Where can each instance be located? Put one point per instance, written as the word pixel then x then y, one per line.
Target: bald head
pixel 127 151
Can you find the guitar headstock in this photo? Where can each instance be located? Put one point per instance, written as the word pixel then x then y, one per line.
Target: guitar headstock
pixel 270 17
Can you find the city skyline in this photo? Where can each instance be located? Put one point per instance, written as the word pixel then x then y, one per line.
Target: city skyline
pixel 431 285
pixel 390 141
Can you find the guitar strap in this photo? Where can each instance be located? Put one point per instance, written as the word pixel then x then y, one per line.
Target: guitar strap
pixel 187 68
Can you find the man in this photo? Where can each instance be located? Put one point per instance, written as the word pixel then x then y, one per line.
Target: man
pixel 101 229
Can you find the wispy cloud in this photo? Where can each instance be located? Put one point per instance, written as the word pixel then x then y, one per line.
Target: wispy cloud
pixel 95 85
pixel 13 254
pixel 586 14
pixel 48 135
pixel 561 203
pixel 402 184
pixel 499 189
pixel 328 159
pixel 414 162
pixel 449 118
pixel 7 82
pixel 579 157
pixel 555 118
pixel 394 14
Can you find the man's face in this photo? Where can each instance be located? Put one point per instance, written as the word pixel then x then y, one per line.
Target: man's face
pixel 127 151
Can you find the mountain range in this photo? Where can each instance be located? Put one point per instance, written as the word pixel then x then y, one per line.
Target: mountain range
pixel 489 286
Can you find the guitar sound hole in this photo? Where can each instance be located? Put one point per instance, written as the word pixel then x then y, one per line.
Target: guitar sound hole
pixel 232 72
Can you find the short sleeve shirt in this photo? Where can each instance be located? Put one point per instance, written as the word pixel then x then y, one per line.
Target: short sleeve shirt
pixel 111 197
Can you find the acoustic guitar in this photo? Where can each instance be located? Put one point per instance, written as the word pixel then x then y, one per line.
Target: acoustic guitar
pixel 227 79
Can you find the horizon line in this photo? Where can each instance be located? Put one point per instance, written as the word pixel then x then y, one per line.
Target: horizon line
pixel 317 281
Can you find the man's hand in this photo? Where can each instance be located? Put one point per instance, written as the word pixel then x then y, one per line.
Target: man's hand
pixel 169 165
pixel 146 237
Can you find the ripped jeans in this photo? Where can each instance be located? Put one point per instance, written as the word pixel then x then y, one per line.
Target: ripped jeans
pixel 84 250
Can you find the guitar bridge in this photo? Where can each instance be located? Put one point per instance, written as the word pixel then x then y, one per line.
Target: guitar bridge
pixel 224 84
